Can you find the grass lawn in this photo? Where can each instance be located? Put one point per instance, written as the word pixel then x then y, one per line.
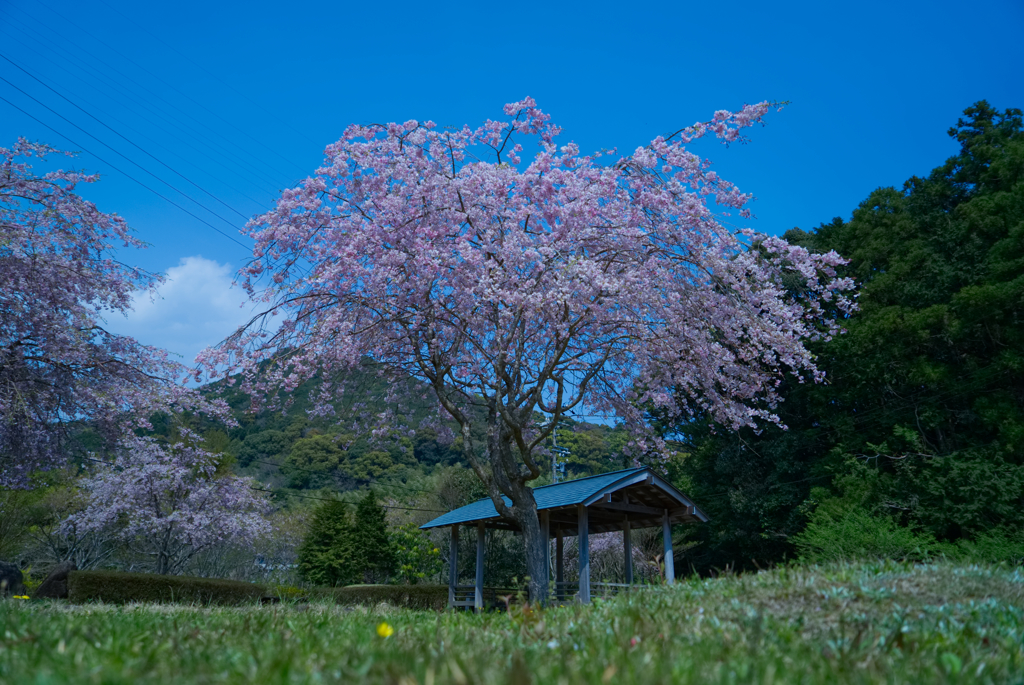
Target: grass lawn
pixel 863 623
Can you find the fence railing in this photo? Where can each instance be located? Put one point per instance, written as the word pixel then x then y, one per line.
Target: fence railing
pixel 465 595
pixel 568 589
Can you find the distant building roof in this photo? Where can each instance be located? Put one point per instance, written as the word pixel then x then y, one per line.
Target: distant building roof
pixel 646 491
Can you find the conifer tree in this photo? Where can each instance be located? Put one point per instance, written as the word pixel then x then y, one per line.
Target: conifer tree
pixel 374 548
pixel 327 556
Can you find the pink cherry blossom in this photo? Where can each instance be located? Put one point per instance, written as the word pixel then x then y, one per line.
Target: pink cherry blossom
pixel 167 502
pixel 59 279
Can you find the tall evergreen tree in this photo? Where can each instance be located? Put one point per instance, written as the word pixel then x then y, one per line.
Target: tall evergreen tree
pixel 328 555
pixel 375 551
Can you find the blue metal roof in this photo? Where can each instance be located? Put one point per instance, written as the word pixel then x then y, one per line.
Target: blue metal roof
pixel 547 496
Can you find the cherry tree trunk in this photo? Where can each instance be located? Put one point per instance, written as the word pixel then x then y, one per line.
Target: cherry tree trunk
pixel 524 511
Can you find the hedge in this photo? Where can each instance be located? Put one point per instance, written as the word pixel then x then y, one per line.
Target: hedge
pixel 118 588
pixel 408 596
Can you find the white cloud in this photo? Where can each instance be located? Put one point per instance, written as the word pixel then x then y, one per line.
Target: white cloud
pixel 196 307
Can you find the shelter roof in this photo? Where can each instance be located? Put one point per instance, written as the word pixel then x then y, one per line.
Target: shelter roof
pixel 645 492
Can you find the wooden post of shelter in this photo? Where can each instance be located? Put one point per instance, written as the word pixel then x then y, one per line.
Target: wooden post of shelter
pixel 627 544
pixel 478 595
pixel 584 545
pixel 545 531
pixel 559 563
pixel 627 548
pixel 670 564
pixel 453 565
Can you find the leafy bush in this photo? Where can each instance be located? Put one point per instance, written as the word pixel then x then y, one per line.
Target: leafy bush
pixel 845 529
pixel 289 592
pixel 31 581
pixel 839 530
pixel 406 596
pixel 118 588
pixel 418 557
pixel 996 546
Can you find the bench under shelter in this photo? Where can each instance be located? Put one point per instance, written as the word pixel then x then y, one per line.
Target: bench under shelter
pixel 621 500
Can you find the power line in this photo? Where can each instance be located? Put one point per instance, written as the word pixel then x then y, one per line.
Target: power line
pixel 76 60
pixel 129 59
pixel 126 139
pixel 354 504
pixel 52 111
pixel 299 468
pixel 158 194
pixel 240 171
pixel 208 73
pixel 292 494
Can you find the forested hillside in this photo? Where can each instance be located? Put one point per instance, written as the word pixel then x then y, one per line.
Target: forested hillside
pixel 920 423
pixel 289 448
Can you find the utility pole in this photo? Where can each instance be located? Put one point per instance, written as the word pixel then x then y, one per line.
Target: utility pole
pixel 557 465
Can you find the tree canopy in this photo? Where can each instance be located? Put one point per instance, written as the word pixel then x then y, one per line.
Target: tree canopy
pixel 517 290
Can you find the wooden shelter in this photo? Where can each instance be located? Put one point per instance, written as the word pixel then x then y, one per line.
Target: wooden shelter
pixel 621 500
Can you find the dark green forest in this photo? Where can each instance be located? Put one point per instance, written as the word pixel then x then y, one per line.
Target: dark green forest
pixel 920 422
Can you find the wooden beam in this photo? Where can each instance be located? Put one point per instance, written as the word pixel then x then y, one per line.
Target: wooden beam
pixel 478 594
pixel 453 565
pixel 584 545
pixel 670 564
pixel 630 508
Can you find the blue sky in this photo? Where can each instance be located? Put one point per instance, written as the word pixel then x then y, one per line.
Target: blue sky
pixel 241 98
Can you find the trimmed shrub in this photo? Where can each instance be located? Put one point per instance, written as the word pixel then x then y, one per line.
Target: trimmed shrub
pixel 118 588
pixel 407 596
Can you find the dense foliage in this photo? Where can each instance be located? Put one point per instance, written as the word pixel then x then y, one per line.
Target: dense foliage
pixel 921 420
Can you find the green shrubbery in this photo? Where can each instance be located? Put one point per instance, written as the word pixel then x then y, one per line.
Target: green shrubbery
pixel 837 532
pixel 923 400
pixel 847 528
pixel 119 588
pixel 115 587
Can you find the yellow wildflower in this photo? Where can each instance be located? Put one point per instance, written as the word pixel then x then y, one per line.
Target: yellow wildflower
pixel 21 597
pixel 384 630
